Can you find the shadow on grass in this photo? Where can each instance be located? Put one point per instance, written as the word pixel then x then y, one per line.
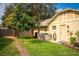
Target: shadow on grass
pixel 5 42
pixel 26 37
pixel 32 40
pixel 37 41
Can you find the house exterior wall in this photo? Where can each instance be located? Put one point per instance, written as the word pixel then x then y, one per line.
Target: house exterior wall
pixel 66 23
pixel 41 29
pixel 66 19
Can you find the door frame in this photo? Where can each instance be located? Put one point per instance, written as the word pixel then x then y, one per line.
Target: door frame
pixel 61 31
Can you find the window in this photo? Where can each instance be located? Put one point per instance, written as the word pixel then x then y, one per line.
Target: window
pixel 54 27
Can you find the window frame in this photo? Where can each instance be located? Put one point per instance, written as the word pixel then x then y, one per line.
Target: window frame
pixel 54 27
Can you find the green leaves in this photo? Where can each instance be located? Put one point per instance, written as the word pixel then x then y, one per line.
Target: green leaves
pixel 26 16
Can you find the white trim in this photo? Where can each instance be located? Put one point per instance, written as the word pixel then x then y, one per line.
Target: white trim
pixel 62 16
pixel 73 15
pixel 65 15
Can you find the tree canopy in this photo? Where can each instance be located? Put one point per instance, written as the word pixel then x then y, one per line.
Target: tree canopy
pixel 27 16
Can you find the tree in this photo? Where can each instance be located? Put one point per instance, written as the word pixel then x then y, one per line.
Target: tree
pixel 41 11
pixel 26 16
pixel 17 19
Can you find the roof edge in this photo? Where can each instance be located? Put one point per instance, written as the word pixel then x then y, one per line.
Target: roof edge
pixel 61 12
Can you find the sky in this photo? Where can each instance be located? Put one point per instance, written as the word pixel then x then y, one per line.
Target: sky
pixel 68 5
pixel 59 6
pixel 62 6
pixel 2 9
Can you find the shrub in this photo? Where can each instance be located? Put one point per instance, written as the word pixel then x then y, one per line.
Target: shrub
pixel 77 34
pixel 73 40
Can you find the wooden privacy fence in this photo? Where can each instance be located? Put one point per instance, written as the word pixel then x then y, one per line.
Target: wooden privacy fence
pixel 7 32
pixel 11 32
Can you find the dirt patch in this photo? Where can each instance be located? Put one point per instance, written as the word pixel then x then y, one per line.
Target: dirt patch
pixel 17 44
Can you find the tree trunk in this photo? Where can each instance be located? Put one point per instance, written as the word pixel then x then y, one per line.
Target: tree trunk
pixel 14 32
pixel 38 30
pixel 21 33
pixel 32 33
pixel 38 23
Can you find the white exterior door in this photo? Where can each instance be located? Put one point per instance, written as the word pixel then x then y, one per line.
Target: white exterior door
pixel 63 33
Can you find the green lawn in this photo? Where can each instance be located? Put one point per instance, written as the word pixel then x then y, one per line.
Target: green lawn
pixel 37 47
pixel 7 48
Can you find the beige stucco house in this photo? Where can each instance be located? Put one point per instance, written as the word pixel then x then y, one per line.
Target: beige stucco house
pixel 61 26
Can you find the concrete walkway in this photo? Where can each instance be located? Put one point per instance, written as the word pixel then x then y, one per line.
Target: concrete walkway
pixel 18 45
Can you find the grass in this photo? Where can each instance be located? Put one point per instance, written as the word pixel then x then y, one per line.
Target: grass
pixel 37 47
pixel 7 48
